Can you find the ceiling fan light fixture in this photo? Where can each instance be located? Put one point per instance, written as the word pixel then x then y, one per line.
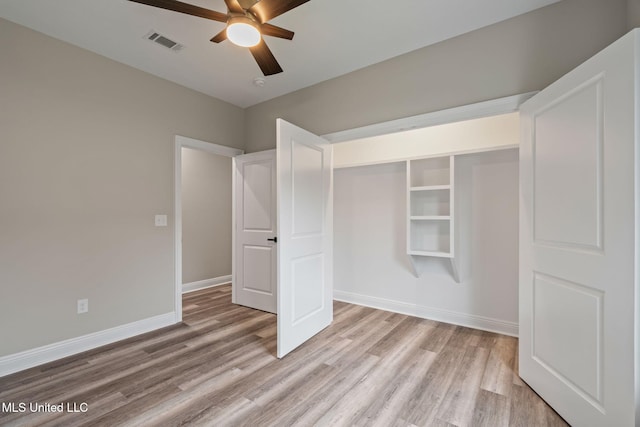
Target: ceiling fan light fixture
pixel 243 31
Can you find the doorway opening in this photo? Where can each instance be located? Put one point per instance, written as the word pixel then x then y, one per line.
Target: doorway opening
pixel 181 144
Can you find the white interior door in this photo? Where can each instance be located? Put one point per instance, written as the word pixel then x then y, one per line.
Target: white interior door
pixel 577 240
pixel 305 223
pixel 255 253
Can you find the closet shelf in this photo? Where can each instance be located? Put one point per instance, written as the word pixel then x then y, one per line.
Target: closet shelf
pixel 430 188
pixel 432 253
pixel 430 217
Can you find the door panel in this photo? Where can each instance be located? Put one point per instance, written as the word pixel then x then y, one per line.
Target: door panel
pixel 258 268
pixel 305 209
pixel 257 195
pixel 306 183
pixel 577 240
pixel 255 257
pixel 569 343
pixel 576 221
pixel 306 283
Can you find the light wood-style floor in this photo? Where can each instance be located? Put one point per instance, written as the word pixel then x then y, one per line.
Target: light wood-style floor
pixel 370 367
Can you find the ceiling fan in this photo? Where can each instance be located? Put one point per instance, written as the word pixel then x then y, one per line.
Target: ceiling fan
pixel 246 24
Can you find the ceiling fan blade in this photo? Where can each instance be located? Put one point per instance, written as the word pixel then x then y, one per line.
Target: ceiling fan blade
pixel 266 10
pixel 272 30
pixel 220 37
pixel 265 59
pixel 189 9
pixel 234 6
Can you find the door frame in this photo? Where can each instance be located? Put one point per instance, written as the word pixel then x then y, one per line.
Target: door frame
pixel 181 142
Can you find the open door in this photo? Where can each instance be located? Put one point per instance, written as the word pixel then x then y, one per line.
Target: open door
pixel 255 231
pixel 305 245
pixel 578 228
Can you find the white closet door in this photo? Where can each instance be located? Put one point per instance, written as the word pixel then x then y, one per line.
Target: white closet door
pixel 577 240
pixel 305 246
pixel 255 253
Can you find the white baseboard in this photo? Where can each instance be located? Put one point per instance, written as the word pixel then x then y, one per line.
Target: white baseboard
pixel 48 353
pixel 207 283
pixel 431 313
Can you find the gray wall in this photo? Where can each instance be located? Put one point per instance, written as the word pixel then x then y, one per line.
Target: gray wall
pixel 206 215
pixel 522 54
pixel 86 161
pixel 633 14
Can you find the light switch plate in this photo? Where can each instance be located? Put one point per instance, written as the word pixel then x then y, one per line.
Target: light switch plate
pixel 161 221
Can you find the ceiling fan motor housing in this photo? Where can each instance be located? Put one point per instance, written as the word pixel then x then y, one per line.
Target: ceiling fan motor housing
pixel 243 31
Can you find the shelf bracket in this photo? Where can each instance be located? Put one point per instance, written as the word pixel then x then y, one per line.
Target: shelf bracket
pixel 414 266
pixel 454 270
pixel 417 271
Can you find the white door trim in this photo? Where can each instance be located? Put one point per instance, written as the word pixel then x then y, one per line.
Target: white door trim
pixel 181 142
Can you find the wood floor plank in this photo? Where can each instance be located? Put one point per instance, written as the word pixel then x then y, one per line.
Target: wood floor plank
pixel 516 378
pixel 384 409
pixel 346 412
pixel 218 416
pixel 218 392
pixel 366 340
pixel 283 399
pixel 438 337
pixel 340 389
pixel 397 336
pixel 491 410
pixel 218 368
pixel 528 409
pixel 363 321
pixel 422 405
pixel 177 403
pixel 144 404
pixel 498 373
pixel 459 401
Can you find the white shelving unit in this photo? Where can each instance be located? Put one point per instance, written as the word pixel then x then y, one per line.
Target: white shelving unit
pixel 431 210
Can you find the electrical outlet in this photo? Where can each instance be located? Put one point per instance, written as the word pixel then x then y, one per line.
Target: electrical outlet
pixel 161 220
pixel 83 306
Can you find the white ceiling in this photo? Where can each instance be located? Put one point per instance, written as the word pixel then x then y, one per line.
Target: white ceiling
pixel 332 37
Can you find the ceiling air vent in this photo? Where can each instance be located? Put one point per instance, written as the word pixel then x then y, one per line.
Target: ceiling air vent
pixel 163 41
